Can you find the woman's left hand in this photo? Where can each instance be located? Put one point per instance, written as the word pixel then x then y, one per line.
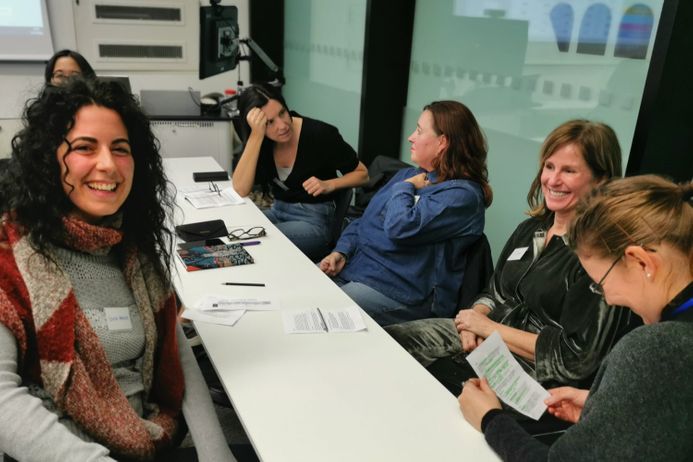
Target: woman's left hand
pixel 315 187
pixel 476 400
pixel 474 322
pixel 419 181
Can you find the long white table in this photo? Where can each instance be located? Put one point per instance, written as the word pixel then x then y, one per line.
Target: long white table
pixel 315 397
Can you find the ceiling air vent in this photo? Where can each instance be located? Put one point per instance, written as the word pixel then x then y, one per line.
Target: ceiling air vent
pixel 140 51
pixel 137 13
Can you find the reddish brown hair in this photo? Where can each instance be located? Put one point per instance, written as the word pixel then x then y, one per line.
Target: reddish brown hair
pixel 465 156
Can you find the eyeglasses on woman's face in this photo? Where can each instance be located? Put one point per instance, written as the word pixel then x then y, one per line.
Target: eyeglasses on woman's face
pixel 61 76
pixel 597 287
pixel 64 68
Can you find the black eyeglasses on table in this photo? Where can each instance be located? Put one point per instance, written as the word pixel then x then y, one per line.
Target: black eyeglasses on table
pixel 239 234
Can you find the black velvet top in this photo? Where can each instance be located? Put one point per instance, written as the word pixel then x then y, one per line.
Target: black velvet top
pixel 543 289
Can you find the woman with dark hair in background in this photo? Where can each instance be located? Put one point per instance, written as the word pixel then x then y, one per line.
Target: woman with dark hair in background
pixel 634 238
pixel 92 363
pixel 538 298
pixel 300 158
pixel 65 64
pixel 404 258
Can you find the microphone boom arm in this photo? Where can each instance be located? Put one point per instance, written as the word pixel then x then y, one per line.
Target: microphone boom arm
pixel 266 60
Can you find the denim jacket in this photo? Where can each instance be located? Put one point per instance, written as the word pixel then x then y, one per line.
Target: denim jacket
pixel 410 245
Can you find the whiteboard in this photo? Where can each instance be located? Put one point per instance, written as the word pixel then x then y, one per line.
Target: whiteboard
pixel 25 33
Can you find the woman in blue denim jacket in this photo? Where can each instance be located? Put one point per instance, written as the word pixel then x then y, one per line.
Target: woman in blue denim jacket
pixel 404 258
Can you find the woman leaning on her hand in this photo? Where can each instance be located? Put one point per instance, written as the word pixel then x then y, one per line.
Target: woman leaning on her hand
pixel 634 237
pixel 299 157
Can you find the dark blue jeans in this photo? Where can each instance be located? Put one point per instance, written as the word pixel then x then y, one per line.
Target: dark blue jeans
pixel 308 226
pixel 382 309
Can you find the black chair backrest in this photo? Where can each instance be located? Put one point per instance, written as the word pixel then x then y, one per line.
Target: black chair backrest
pixel 477 272
pixel 342 201
pixel 380 171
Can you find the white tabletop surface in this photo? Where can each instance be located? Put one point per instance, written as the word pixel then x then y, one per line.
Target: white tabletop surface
pixel 315 397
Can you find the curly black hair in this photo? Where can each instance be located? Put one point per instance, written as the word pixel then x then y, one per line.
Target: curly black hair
pixel 32 189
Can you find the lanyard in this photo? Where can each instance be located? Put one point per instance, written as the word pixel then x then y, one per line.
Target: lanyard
pixel 684 307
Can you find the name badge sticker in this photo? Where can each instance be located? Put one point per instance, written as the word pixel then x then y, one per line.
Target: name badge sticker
pixel 517 253
pixel 118 318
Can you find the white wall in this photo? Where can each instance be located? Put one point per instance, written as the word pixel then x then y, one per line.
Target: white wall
pixel 21 81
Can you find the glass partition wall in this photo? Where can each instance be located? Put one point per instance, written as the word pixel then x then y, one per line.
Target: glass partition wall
pixel 323 55
pixel 525 66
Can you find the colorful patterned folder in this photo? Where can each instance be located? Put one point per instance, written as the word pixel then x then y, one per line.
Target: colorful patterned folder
pixel 214 256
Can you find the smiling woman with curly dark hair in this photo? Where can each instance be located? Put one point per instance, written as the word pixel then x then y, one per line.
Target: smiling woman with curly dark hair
pixel 34 187
pixel 88 329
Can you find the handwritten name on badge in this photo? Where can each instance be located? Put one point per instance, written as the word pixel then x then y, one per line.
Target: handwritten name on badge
pixel 118 318
pixel 517 253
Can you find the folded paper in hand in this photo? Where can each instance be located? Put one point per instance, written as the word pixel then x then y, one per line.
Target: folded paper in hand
pixel 201 230
pixel 214 256
pixel 493 360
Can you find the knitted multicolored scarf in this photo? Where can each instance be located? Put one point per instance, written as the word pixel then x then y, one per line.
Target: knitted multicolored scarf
pixel 59 350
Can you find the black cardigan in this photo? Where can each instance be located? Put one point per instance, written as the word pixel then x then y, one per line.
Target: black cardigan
pixel 321 152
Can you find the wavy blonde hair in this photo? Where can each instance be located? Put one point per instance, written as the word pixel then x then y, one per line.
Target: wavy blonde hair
pixel 641 210
pixel 596 141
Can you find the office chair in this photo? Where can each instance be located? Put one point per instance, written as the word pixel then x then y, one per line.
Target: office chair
pixel 477 271
pixel 450 373
pixel 380 171
pixel 342 201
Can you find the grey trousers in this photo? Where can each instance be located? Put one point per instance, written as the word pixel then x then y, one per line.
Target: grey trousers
pixel 429 339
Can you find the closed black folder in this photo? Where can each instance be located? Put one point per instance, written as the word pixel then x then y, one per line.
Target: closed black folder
pixel 220 175
pixel 201 230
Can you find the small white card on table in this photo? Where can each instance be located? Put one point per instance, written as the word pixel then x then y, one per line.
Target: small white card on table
pixel 212 303
pixel 225 318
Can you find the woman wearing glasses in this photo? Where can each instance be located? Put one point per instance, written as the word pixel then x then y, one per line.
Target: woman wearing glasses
pixel 299 157
pixel 538 298
pixel 65 64
pixel 403 259
pixel 634 236
pixel 92 363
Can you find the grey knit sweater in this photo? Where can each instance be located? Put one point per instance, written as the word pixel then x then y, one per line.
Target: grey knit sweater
pixel 39 432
